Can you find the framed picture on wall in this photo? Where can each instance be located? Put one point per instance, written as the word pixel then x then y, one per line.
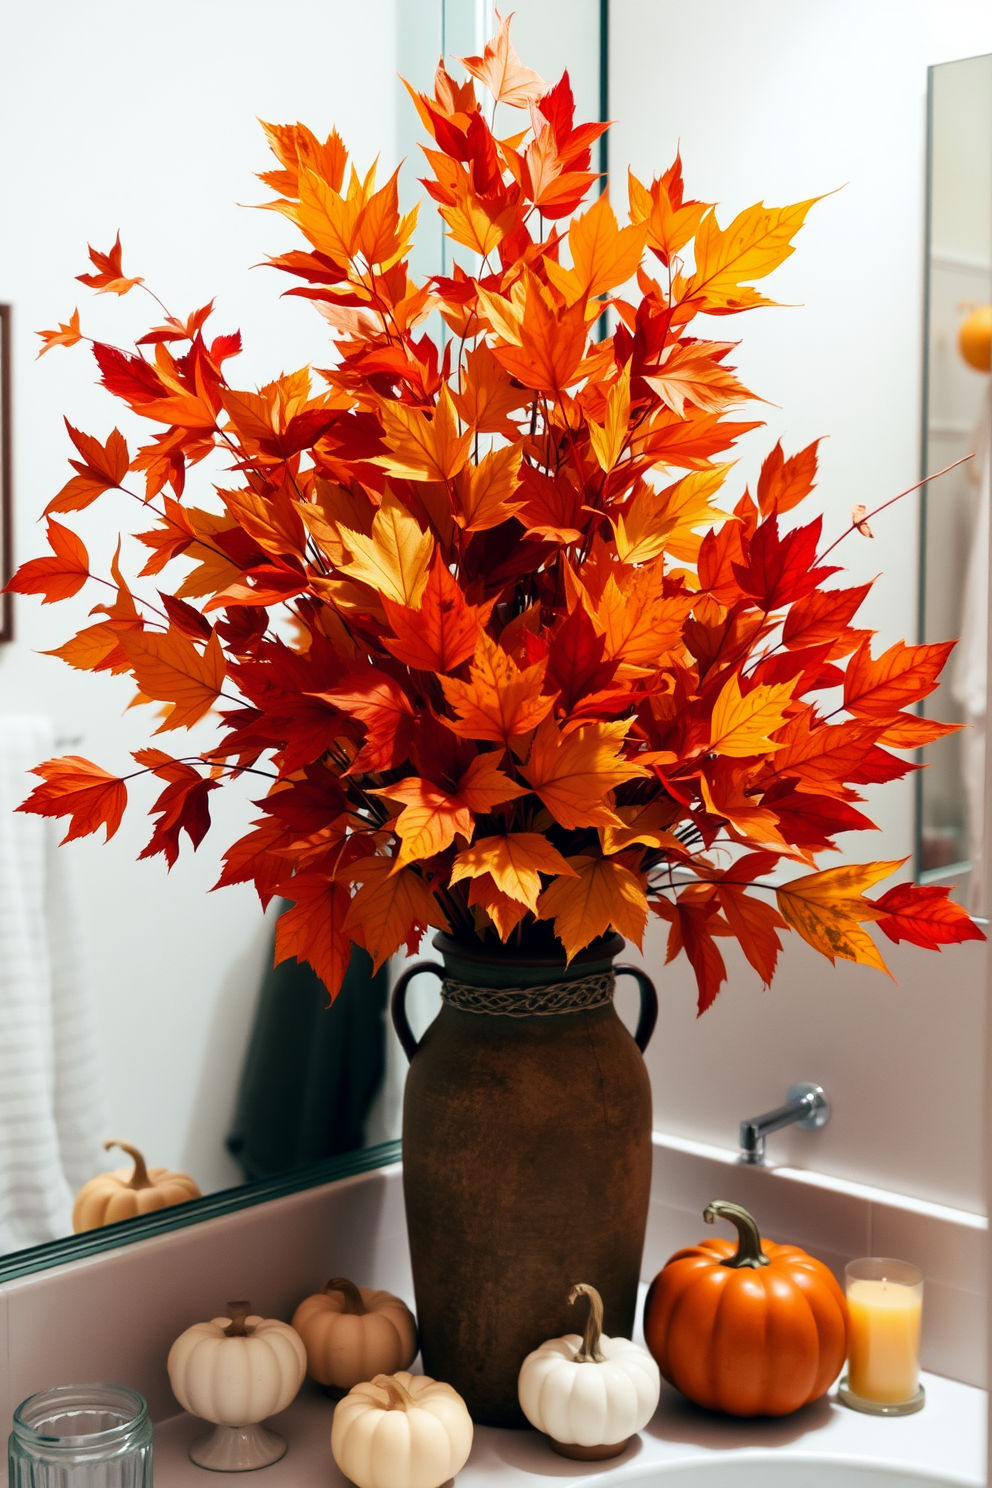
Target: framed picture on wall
pixel 6 483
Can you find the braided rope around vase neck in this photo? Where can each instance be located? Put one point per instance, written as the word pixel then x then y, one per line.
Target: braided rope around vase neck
pixel 531 1002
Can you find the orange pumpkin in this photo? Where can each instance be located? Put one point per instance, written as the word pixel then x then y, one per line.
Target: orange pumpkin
pixel 756 1331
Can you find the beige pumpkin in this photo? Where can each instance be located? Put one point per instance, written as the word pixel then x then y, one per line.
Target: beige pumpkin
pixel 352 1333
pixel 237 1370
pixel 401 1431
pixel 110 1197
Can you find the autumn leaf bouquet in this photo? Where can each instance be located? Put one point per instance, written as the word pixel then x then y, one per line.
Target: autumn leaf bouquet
pixel 469 598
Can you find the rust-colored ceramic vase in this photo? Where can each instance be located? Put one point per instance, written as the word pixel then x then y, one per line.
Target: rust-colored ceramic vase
pixel 526 1159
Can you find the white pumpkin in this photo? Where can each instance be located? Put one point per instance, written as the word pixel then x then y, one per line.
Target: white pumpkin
pixel 352 1333
pixel 237 1370
pixel 401 1431
pixel 591 1394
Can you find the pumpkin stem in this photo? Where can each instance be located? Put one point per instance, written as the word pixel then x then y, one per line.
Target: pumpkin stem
pixel 352 1296
pixel 590 1352
pixel 749 1251
pixel 238 1312
pixel 398 1397
pixel 139 1178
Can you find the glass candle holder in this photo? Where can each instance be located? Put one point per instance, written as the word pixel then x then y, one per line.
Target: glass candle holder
pixel 81 1436
pixel 885 1307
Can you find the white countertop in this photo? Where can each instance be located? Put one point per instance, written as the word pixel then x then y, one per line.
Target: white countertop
pixel 946 1439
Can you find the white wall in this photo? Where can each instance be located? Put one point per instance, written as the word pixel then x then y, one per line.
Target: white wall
pixel 147 123
pixel 143 117
pixel 781 101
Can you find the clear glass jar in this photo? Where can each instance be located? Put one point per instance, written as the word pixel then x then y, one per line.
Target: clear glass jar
pixel 81 1436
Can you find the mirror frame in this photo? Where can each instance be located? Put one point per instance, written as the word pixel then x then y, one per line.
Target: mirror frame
pixel 920 874
pixel 6 478
pixel 424 22
pixel 195 1211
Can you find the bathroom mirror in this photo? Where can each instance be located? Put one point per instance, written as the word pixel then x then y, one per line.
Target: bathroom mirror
pixel 955 509
pixel 211 1063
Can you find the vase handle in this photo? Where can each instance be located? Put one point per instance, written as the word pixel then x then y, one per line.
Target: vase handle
pixel 649 1004
pixel 397 1003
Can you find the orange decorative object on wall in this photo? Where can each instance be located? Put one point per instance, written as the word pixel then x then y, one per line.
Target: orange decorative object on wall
pixel 478 610
pixel 975 338
pixel 753 1330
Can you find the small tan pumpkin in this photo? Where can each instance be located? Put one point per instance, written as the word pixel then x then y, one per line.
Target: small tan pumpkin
pixel 124 1193
pixel 352 1333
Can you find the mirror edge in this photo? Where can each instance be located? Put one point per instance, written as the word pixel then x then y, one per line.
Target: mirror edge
pixel 70 1248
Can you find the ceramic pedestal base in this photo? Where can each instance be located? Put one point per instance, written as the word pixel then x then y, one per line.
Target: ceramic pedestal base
pixel 237 1448
pixel 588 1454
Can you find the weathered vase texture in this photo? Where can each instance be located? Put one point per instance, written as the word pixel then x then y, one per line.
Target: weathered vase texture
pixel 526 1168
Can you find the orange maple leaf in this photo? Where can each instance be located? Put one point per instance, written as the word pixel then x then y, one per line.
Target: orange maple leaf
pixel 58 577
pixel 603 254
pixel 389 908
pixel 487 396
pixel 900 676
pixel 313 930
pixel 574 773
pixel 500 701
pixel 433 817
pixel 170 669
pixel 66 335
pixel 601 894
pixel 484 491
pixel 73 787
pixel 109 277
pixel 102 468
pixel 440 633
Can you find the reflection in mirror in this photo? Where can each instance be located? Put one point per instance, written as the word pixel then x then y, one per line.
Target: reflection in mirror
pixel 237 1076
pixel 955 531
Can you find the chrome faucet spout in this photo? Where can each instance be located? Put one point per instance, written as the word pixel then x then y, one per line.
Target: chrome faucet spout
pixel 805 1106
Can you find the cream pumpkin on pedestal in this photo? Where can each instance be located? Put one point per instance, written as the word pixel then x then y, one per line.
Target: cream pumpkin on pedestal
pixel 236 1371
pixel 401 1431
pixel 110 1197
pixel 589 1395
pixel 352 1333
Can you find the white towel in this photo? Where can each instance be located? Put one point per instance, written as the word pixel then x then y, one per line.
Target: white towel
pixel 53 1103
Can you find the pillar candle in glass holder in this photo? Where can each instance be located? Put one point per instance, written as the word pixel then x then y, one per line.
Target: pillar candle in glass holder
pixel 885 1305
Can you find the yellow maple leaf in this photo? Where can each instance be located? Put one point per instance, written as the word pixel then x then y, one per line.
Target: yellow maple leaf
pixel 397 556
pixel 604 894
pixel 515 862
pixel 826 910
pixel 484 490
pixel 755 243
pixel 742 725
pixel 658 522
pixel 608 442
pixel 424 449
